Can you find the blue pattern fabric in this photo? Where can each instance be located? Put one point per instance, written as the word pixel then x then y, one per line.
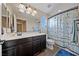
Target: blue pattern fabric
pixel 64 53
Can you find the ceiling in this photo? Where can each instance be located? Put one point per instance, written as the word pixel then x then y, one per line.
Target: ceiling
pixel 45 8
pixel 15 9
pixel 53 8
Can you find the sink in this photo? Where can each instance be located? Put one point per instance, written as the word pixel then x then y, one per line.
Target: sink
pixel 19 34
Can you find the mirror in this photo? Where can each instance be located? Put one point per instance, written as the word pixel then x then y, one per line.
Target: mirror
pixel 7 20
pixel 21 25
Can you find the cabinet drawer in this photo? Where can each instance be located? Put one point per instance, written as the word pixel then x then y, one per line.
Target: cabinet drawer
pixel 36 38
pixel 37 42
pixel 9 43
pixel 43 37
pixel 9 51
pixel 23 40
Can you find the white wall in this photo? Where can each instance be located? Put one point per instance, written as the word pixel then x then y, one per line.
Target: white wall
pixel 30 23
pixel 0 30
pixel 0 19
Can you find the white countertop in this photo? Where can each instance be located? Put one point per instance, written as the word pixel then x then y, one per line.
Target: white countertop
pixel 12 36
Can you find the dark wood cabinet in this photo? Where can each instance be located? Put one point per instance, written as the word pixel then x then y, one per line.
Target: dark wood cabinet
pixel 9 51
pixel 24 46
pixel 25 50
pixel 36 45
pixel 43 42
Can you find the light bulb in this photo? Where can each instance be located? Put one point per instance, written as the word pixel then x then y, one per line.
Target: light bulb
pixel 21 6
pixel 28 12
pixel 21 10
pixel 33 14
pixel 29 9
pixel 35 11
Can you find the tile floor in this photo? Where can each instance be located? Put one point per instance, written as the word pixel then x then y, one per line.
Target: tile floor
pixel 49 52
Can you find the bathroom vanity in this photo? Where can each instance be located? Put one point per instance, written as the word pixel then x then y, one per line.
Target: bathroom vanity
pixel 19 38
pixel 25 45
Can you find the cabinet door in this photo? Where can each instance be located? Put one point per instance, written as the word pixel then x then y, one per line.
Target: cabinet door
pixel 43 42
pixel 36 47
pixel 8 44
pixel 25 49
pixel 36 44
pixel 9 51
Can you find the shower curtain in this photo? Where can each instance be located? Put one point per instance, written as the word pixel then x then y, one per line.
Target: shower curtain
pixel 75 36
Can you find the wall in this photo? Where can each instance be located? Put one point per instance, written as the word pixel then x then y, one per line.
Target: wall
pixel 30 23
pixel 0 18
pixel 0 30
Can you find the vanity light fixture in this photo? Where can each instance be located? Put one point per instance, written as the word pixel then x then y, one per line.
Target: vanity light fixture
pixel 31 11
pixel 21 10
pixel 21 7
pixel 34 12
pixel 28 9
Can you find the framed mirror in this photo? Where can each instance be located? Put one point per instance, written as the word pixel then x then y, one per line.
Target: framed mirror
pixel 7 20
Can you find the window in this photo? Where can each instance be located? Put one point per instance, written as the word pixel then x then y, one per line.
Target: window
pixel 43 24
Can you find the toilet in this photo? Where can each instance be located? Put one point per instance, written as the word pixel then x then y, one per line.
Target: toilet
pixel 50 44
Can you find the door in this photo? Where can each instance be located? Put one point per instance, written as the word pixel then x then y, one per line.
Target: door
pixel 25 49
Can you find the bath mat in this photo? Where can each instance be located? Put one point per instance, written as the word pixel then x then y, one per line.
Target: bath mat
pixel 63 52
